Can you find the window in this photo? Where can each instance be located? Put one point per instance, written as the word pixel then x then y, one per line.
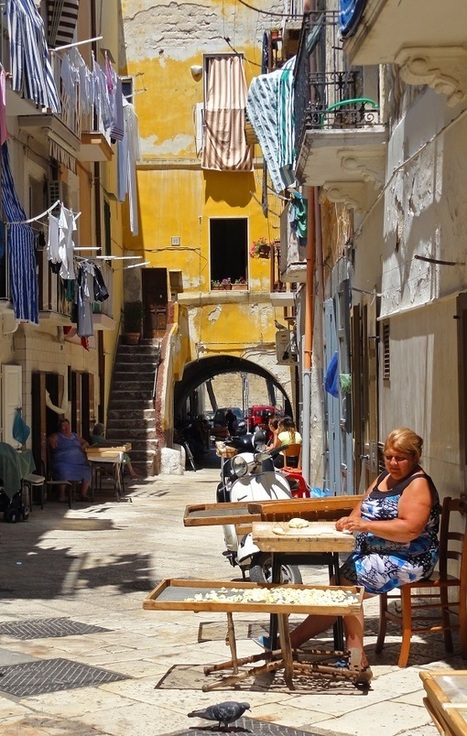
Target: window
pixel 127 88
pixel 228 248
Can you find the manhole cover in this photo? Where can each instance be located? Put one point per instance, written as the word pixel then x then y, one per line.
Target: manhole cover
pixel 244 726
pixel 50 675
pixel 43 628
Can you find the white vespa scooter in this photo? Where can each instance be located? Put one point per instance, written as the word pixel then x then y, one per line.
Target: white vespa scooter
pixel 248 476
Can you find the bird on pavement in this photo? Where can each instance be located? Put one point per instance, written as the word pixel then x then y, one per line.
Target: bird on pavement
pixel 223 713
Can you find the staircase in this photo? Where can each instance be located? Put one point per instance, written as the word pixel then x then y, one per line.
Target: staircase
pixel 131 415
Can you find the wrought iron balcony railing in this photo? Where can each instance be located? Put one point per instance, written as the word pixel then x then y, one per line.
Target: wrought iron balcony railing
pixel 328 92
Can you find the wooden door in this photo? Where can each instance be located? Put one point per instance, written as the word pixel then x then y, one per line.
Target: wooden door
pixel 155 300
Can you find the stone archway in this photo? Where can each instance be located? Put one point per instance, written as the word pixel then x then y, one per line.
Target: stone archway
pixel 199 371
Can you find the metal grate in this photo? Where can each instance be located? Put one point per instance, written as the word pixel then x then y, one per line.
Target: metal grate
pixel 246 726
pixel 43 628
pixel 50 675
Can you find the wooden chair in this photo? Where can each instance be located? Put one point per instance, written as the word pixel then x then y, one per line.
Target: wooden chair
pixel 433 594
pixel 51 483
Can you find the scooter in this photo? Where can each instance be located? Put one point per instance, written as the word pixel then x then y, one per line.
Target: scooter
pixel 248 474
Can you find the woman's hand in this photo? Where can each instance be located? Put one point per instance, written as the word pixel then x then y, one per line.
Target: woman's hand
pixel 353 524
pixel 341 523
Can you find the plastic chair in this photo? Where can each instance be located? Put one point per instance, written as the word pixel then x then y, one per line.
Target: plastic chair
pixel 292 456
pixel 292 469
pixel 433 594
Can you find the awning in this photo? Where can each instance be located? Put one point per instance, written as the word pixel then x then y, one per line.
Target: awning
pixel 62 16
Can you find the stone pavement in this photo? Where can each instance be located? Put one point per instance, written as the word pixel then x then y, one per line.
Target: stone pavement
pixel 80 657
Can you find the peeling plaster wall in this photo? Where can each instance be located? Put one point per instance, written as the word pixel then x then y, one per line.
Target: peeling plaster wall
pixel 424 214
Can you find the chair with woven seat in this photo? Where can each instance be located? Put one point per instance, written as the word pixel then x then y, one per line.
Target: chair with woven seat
pixel 433 594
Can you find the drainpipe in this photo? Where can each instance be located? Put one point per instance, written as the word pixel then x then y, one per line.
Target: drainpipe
pixel 308 337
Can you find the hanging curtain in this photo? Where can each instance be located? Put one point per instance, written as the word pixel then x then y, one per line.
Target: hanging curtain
pixel 62 16
pixel 21 251
pixel 225 147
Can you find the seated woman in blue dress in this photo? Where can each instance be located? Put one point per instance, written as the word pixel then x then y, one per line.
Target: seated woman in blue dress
pixel 68 458
pixel 396 528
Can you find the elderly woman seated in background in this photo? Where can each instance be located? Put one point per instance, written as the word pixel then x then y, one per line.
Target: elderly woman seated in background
pixel 98 440
pixel 68 459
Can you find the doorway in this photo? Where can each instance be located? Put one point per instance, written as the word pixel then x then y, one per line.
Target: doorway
pixel 155 300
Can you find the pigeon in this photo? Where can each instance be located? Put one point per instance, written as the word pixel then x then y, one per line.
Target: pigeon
pixel 223 713
pixel 279 326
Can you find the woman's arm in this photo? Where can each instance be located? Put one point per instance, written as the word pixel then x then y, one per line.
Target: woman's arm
pixel 413 514
pixel 82 442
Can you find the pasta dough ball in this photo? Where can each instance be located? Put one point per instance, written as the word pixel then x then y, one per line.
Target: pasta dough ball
pixel 298 523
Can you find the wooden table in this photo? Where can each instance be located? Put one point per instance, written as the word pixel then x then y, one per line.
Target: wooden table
pixel 99 456
pixel 446 700
pixel 227 597
pixel 319 542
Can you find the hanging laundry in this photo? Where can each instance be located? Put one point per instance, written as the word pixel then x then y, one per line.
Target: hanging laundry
pixel 128 155
pixel 21 249
pixel 85 283
pixel 31 69
pixel 101 293
pixel 67 226
pixel 116 132
pixel 3 127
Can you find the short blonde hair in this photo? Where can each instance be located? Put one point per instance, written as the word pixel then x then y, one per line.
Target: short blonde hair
pixel 404 440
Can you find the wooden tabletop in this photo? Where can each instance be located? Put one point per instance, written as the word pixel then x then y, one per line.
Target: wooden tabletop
pixel 318 536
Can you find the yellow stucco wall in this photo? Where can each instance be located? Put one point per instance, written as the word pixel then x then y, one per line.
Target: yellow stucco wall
pixel 176 197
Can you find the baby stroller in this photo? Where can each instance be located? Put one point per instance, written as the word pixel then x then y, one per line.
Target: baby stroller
pixel 15 507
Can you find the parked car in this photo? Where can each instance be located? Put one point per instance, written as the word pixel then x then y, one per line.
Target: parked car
pixel 257 413
pixel 220 429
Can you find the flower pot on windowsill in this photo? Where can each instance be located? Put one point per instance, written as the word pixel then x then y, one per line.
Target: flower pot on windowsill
pixel 239 287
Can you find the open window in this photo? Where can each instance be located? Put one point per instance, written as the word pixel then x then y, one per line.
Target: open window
pixel 228 249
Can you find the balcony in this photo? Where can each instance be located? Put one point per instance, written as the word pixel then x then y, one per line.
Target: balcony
pixel 425 37
pixel 341 139
pixel 291 27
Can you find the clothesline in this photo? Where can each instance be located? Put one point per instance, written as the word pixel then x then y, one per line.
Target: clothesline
pixel 38 217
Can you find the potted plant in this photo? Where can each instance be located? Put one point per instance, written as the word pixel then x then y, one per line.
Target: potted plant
pixel 260 248
pixel 132 322
pixel 216 284
pixel 240 284
pixel 226 283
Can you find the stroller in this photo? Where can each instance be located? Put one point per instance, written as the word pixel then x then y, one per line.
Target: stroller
pixel 14 501
pixel 14 508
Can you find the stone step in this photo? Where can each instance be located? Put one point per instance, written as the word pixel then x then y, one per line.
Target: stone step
pixel 116 431
pixel 140 418
pixel 124 397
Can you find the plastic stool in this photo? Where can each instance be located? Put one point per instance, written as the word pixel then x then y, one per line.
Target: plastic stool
pixel 32 481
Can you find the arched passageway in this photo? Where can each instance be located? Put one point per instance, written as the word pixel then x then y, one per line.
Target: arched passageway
pixel 201 371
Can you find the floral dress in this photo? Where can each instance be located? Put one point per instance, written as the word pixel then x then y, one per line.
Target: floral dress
pixel 379 565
